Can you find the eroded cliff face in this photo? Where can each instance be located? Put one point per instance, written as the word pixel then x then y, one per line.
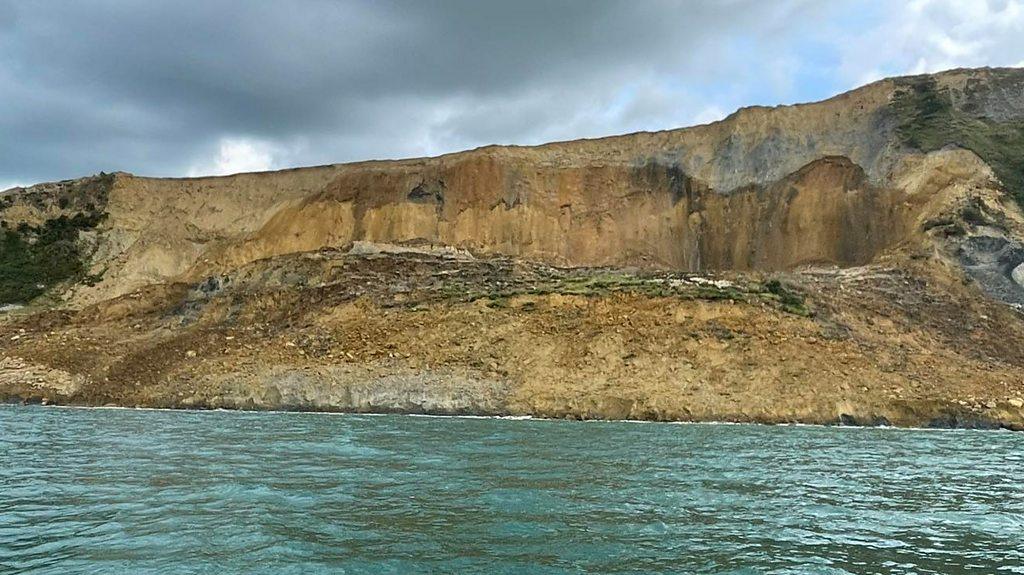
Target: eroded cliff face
pixel 912 173
pixel 765 189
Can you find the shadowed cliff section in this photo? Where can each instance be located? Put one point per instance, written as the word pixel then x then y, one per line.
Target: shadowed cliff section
pixel 651 215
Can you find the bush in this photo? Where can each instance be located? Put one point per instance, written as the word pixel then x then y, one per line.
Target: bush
pixel 33 259
pixel 791 301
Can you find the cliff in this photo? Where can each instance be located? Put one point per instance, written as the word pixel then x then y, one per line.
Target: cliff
pixel 856 260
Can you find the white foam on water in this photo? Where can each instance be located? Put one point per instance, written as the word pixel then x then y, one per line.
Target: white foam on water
pixel 528 418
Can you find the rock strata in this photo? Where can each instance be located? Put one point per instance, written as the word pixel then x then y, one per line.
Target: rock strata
pixel 851 261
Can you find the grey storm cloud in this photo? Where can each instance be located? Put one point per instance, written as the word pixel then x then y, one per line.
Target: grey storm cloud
pixel 157 87
pixel 151 87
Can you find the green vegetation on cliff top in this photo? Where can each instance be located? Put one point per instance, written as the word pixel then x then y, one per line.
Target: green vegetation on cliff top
pixel 34 258
pixel 929 121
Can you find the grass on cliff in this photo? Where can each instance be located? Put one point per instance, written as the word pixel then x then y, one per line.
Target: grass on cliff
pixel 929 121
pixel 791 301
pixel 34 258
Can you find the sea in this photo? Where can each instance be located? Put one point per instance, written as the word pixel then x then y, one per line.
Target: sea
pixel 127 491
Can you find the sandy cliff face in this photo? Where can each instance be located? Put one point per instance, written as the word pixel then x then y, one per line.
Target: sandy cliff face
pixel 766 188
pixel 911 173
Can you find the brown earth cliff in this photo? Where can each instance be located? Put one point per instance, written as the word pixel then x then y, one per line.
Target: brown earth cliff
pixel 856 261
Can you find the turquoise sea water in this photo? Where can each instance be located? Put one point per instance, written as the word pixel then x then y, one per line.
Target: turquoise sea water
pixel 123 491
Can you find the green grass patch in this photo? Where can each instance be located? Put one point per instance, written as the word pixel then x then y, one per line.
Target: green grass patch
pixel 929 121
pixel 497 302
pixel 790 301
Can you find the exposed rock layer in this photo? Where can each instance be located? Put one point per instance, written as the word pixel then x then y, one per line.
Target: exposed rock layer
pixel 865 181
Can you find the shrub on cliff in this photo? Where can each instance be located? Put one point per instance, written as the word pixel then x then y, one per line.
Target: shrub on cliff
pixel 929 121
pixel 33 259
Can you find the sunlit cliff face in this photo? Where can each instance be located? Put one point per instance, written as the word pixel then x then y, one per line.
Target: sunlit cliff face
pixel 840 182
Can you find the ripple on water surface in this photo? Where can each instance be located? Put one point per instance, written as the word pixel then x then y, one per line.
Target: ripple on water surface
pixel 122 491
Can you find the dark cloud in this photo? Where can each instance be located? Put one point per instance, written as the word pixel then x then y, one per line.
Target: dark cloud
pixel 158 87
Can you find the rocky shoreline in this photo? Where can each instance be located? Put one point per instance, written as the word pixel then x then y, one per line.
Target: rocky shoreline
pixel 1007 417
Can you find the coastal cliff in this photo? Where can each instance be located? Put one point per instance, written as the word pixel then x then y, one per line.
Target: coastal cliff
pixel 857 260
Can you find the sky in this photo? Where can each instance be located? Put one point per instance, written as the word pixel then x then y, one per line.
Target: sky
pixel 202 87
